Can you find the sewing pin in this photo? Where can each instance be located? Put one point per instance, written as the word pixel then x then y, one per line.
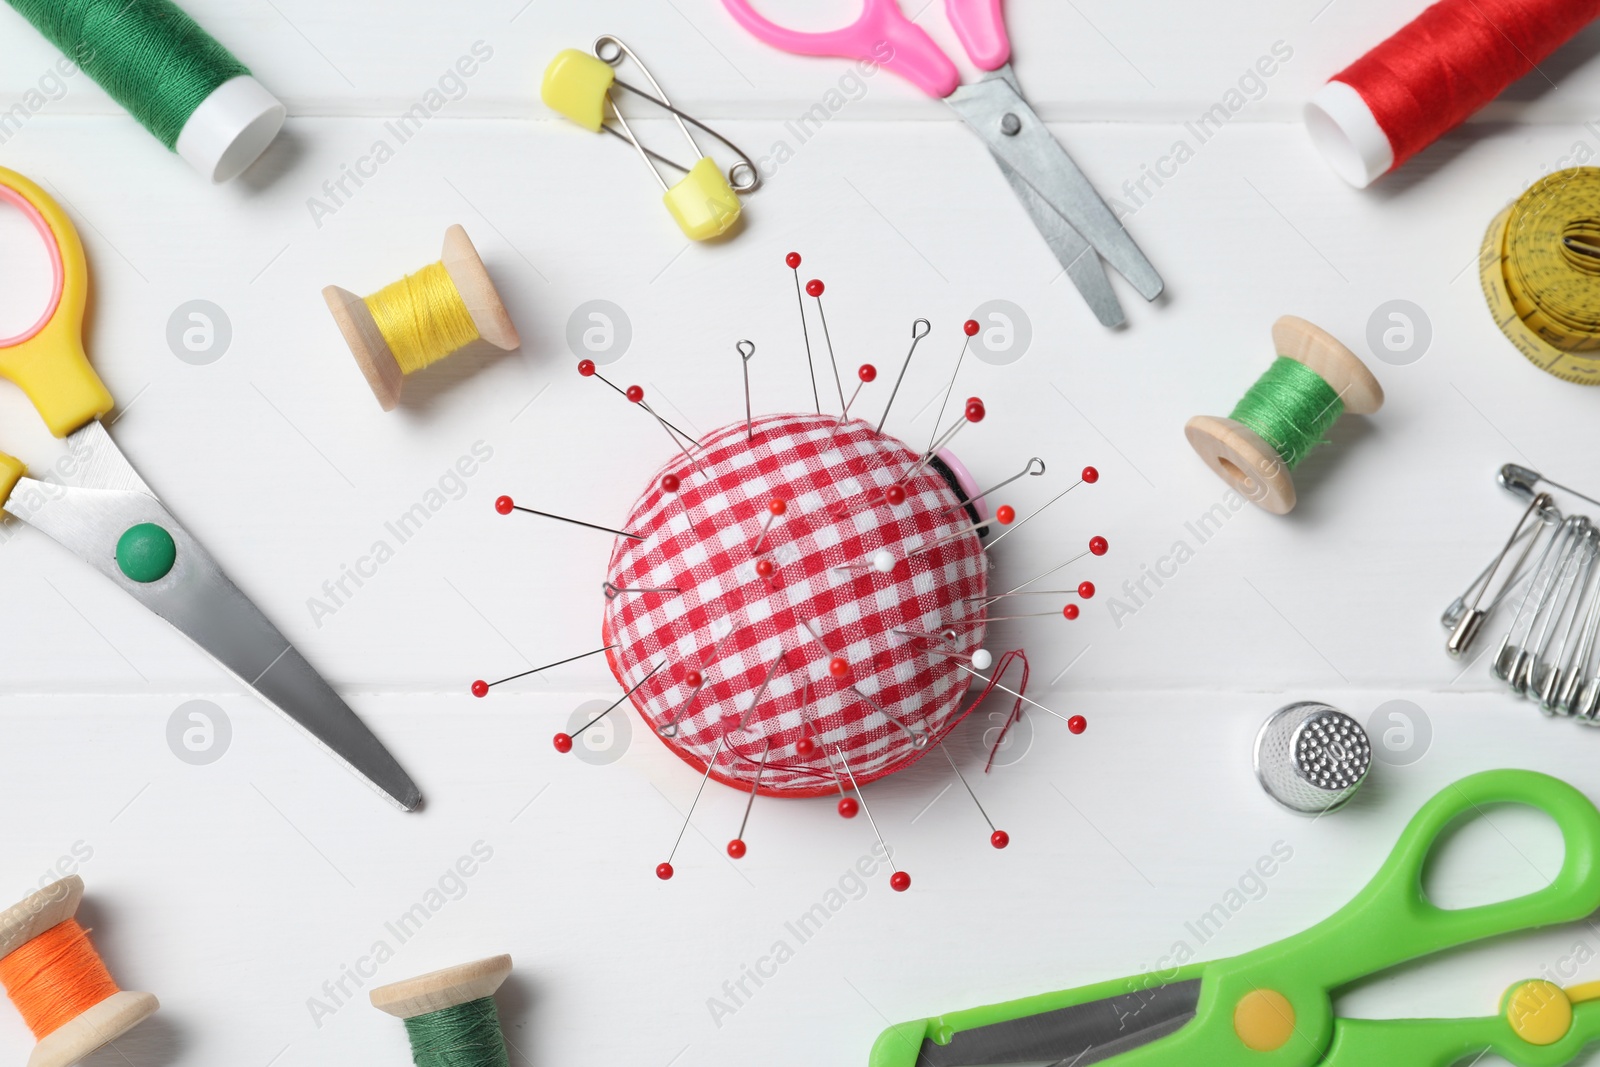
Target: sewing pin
pixel 881 561
pixel 563 742
pixel 664 870
pixel 867 373
pixel 695 681
pixel 1077 723
pixel 481 688
pixel 1005 514
pixel 1097 547
pixel 1088 477
pixel 805 746
pixel 586 368
pixel 919 330
pixel 969 329
pixel 919 735
pixel 997 838
pixel 1035 467
pixel 1523 482
pixel 974 413
pixel 635 395
pixel 736 847
pixel 793 259
pixel 744 720
pixel 814 289
pixel 848 808
pixel 947 636
pixel 775 510
pixel 505 506
pixel 1069 612
pixel 746 350
pixel 614 591
pixel 900 881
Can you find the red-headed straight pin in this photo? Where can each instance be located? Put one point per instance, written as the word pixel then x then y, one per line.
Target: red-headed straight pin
pixel 899 881
pixel 974 412
pixel 793 260
pixel 563 742
pixel 775 510
pixel 481 688
pixel 1097 547
pixel 866 373
pixel 1088 477
pixel 736 847
pixel 997 838
pixel 969 329
pixel 664 870
pixel 815 289
pixel 505 506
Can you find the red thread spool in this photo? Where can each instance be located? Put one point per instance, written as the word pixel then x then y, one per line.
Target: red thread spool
pixel 1431 76
pixel 59 983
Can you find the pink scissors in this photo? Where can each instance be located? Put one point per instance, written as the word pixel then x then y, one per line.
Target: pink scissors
pixel 1067 211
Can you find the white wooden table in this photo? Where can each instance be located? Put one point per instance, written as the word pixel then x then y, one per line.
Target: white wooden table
pixel 251 893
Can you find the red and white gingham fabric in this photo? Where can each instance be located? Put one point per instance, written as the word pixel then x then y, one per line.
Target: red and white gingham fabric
pixel 732 625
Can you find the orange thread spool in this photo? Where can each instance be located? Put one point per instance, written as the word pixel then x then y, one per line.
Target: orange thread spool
pixel 55 978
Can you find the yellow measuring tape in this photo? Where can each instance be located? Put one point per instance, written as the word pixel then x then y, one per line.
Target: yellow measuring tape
pixel 1540 267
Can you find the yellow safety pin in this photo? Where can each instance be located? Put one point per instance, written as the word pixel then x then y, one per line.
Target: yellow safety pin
pixel 705 202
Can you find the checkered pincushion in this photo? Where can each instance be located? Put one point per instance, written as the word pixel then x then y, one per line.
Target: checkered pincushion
pixel 732 625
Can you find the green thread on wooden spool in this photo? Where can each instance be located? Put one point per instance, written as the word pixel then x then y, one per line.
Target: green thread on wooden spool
pixel 467 1035
pixel 150 56
pixel 1291 408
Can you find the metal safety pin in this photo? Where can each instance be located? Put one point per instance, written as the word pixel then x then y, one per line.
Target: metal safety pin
pixel 1466 620
pixel 1545 674
pixel 1523 482
pixel 1511 656
pixel 1561 681
pixel 743 176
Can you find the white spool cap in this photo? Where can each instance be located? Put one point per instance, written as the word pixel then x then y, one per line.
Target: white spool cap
pixel 1343 129
pixel 231 128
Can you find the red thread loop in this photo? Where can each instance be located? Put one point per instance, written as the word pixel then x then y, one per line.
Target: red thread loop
pixel 1454 58
pixel 55 978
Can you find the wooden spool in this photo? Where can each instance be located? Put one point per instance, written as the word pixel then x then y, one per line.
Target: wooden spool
pixel 101 1024
pixel 1239 455
pixel 439 990
pixel 472 281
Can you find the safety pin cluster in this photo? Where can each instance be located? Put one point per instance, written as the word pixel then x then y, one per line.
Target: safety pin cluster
pixel 704 202
pixel 1549 649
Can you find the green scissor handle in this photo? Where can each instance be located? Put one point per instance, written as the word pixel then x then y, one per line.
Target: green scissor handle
pixel 1444 1042
pixel 1272 1007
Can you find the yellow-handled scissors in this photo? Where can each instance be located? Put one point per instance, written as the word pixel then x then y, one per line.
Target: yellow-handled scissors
pixel 108 517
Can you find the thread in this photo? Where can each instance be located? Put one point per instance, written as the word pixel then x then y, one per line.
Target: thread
pixel 423 318
pixel 1434 73
pixel 55 978
pixel 1291 408
pixel 466 1035
pixel 150 56
pixel 1540 269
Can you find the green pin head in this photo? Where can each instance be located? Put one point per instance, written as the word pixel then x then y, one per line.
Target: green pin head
pixel 146 553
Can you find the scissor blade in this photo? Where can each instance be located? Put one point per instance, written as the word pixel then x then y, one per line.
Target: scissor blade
pixel 201 603
pixel 1041 161
pixel 1071 1037
pixel 1080 261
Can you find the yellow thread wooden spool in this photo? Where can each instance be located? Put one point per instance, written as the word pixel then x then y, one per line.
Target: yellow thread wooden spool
pixel 375 353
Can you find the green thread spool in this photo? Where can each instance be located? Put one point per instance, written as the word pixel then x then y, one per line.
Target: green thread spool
pixel 178 81
pixel 1285 414
pixel 450 1015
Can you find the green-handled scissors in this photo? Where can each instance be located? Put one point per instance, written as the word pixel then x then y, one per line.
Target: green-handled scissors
pixel 1273 1007
pixel 111 519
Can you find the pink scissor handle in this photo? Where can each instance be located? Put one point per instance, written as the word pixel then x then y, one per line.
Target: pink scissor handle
pixel 882 35
pixel 982 30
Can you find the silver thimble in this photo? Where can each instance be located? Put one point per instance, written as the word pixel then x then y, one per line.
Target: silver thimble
pixel 1311 758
